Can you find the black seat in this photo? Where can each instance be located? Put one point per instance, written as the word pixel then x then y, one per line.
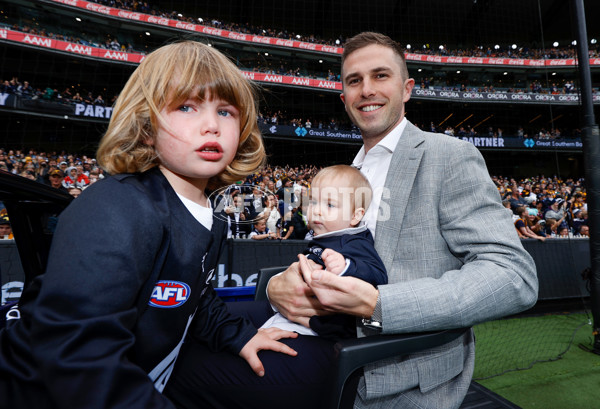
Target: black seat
pixel 354 353
pixel 33 209
pixel 264 275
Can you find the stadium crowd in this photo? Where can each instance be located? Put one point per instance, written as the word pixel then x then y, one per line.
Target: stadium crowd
pixel 268 204
pixel 305 68
pixel 80 95
pixel 494 51
pixel 70 95
pixel 313 69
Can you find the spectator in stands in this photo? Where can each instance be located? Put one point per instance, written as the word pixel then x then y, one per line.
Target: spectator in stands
pixel 74 191
pixel 29 174
pixel 89 98
pixel 49 94
pixel 260 230
pixel 25 90
pixel 271 186
pixel 299 223
pixel 553 225
pixel 515 199
pixel 5 229
pixel 7 87
pixel 563 232
pixel 584 230
pixel 94 176
pixel 255 201
pixel 285 226
pixel 82 178
pixel 239 219
pixel 63 165
pixel 578 202
pixel 67 95
pixel 556 209
pixel 286 196
pixel 522 225
pixel 579 219
pixel 43 170
pixel 55 179
pixel 536 223
pixel 271 214
pixel 506 204
pixel 75 178
pixel 86 167
pixel 17 167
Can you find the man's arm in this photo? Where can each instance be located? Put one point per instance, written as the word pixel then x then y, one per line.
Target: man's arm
pixel 493 275
pixel 486 274
pixel 292 297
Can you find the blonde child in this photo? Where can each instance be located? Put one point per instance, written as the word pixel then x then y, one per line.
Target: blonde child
pixel 132 258
pixel 338 198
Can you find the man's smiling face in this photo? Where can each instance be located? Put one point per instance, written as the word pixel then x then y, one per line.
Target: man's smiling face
pixel 374 91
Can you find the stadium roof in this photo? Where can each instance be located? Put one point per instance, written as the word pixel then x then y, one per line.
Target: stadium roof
pixel 451 22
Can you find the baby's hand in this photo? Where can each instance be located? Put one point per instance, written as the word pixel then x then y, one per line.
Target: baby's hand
pixel 334 261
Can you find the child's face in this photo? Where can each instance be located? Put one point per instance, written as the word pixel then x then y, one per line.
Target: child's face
pixel 5 230
pixel 260 225
pixel 331 206
pixel 199 141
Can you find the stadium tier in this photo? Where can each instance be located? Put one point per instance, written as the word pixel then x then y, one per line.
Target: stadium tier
pixel 510 90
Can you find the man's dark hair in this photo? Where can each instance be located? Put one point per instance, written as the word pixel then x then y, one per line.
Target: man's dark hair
pixel 368 38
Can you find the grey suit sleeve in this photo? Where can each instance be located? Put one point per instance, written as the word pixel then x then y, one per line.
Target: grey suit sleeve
pixel 474 267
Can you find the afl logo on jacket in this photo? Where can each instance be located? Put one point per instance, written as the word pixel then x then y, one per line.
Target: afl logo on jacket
pixel 169 294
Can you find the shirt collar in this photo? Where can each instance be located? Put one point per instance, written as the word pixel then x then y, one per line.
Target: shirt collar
pixel 389 143
pixel 349 230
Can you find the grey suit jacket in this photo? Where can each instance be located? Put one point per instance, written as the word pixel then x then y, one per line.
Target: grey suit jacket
pixel 453 259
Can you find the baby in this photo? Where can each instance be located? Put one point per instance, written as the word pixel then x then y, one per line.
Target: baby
pixel 339 197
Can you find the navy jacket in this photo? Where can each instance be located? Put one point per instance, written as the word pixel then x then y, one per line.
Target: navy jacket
pixel 357 246
pixel 128 269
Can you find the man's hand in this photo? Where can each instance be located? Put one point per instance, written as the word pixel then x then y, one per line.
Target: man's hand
pixel 266 339
pixel 334 261
pixel 292 297
pixel 347 295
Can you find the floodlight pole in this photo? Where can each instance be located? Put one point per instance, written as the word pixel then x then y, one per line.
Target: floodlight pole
pixel 590 137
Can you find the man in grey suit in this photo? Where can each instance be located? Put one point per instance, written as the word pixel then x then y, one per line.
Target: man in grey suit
pixel 451 251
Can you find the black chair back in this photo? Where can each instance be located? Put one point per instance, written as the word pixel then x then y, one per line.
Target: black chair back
pixel 264 275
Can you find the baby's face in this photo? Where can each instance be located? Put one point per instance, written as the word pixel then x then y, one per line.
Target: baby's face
pixel 331 206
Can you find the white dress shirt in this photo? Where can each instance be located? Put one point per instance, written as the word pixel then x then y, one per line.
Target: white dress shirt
pixel 375 165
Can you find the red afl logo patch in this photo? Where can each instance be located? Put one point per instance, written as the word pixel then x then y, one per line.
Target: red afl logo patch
pixel 169 294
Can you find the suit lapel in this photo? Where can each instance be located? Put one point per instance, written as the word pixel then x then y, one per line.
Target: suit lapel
pixel 398 185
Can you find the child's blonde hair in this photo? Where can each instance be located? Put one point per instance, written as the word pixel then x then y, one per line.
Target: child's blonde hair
pixel 168 77
pixel 361 188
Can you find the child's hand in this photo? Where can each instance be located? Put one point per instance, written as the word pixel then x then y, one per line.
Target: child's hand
pixel 334 262
pixel 266 339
